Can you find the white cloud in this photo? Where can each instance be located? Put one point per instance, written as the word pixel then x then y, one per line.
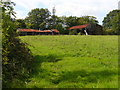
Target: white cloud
pixel 98 8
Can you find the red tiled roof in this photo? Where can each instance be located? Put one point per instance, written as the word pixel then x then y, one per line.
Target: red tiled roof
pixel 28 30
pixel 33 30
pixel 55 30
pixel 38 31
pixel 47 31
pixel 79 26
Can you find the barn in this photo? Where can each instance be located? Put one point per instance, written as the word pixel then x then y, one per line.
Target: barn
pixel 55 32
pixel 88 29
pixel 24 32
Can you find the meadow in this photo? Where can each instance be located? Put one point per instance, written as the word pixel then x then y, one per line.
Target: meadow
pixel 73 61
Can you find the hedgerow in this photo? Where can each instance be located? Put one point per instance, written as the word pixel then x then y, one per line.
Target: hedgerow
pixel 16 57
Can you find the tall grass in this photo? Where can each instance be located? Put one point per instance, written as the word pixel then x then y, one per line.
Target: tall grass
pixel 73 61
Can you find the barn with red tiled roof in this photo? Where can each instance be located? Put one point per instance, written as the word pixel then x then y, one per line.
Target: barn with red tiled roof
pixel 23 32
pixel 87 29
pixel 55 31
pixel 79 26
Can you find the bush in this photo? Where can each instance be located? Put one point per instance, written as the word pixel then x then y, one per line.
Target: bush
pixel 17 60
pixel 108 32
pixel 16 57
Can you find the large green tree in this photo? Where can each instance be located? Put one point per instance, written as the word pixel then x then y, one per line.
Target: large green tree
pixel 111 22
pixel 37 18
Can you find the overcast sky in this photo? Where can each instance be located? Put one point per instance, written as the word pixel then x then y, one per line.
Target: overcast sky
pixel 97 8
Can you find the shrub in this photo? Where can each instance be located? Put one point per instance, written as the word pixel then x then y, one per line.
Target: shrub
pixel 16 57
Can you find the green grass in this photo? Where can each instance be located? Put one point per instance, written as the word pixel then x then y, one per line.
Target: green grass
pixel 73 61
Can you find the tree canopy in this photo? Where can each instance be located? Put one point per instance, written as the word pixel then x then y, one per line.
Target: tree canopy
pixel 111 22
pixel 20 23
pixel 40 18
pixel 37 18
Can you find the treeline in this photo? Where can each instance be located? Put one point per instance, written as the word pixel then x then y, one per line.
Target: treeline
pixel 42 19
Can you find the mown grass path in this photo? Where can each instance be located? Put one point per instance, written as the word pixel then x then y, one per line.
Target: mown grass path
pixel 73 61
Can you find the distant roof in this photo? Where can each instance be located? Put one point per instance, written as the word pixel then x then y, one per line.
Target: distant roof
pixel 79 26
pixel 55 30
pixel 33 30
pixel 47 31
pixel 29 30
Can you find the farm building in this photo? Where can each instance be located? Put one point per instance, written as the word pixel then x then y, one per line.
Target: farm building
pixel 87 29
pixel 55 31
pixel 23 32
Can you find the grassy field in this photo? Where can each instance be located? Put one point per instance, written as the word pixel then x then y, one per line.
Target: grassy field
pixel 73 61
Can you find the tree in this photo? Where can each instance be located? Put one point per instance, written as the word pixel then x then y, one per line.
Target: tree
pixel 52 22
pixel 37 18
pixel 87 20
pixel 111 22
pixel 20 23
pixel 71 21
pixel 16 57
